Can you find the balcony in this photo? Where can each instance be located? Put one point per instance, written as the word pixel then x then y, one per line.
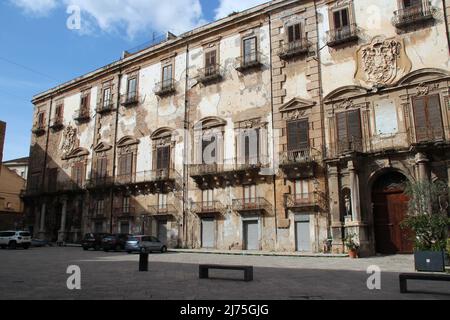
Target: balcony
pixel 70 186
pixel 57 124
pixel 294 48
pixel 208 208
pixel 154 181
pixel 344 148
pixel 411 15
pixel 130 99
pixel 125 212
pixel 200 170
pixel 105 106
pixel 99 183
pixel 98 215
pixel 250 164
pixel 165 88
pixel 298 163
pixel 82 115
pixel 306 201
pixel 163 211
pixel 210 74
pixel 38 129
pixel 251 60
pixel 244 206
pixel 429 135
pixel 342 35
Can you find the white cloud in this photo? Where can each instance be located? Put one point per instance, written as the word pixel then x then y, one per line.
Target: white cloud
pixel 229 6
pixel 130 16
pixel 36 7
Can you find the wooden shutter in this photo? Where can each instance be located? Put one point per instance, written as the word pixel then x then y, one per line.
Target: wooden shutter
pixel 41 118
pixel 167 75
pixel 101 167
pixel 294 32
pixel 428 118
pixel 435 117
pixel 210 59
pixel 354 125
pixel 349 134
pixel 163 158
pixel 250 50
pixel 298 134
pixel 341 18
pixel 126 164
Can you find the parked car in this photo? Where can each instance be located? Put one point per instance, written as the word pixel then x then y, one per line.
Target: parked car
pixel 116 242
pixel 144 244
pixel 14 239
pixel 93 241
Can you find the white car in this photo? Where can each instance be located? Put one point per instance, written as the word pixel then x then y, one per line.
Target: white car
pixel 14 239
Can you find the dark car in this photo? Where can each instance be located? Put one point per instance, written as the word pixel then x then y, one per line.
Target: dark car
pixel 93 241
pixel 115 242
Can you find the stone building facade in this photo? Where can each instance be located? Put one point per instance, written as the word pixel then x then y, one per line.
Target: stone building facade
pixel 277 129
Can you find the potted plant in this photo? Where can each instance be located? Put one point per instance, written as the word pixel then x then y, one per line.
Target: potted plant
pixel 351 245
pixel 428 220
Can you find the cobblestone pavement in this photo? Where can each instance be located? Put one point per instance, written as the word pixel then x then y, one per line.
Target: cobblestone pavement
pixel 40 273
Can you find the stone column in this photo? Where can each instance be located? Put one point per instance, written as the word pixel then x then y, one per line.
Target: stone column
pixel 42 221
pixel 62 231
pixel 335 208
pixel 422 163
pixel 354 188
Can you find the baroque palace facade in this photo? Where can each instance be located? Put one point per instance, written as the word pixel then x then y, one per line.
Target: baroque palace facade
pixel 276 129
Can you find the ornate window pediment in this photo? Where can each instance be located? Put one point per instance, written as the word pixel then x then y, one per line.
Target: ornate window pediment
pixel 102 147
pixel 210 122
pixel 421 76
pixel 296 104
pixel 127 141
pixel 76 153
pixel 345 93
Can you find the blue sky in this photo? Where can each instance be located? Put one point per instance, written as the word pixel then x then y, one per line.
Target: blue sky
pixel 39 51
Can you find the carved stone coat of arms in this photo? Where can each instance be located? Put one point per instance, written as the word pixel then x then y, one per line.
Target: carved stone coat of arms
pixel 382 62
pixel 69 140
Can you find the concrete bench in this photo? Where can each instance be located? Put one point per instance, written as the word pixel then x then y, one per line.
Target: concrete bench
pixel 204 270
pixel 404 277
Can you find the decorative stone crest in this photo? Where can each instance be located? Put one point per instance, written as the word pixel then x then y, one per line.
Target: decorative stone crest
pixel 382 62
pixel 422 90
pixel 69 139
pixel 296 115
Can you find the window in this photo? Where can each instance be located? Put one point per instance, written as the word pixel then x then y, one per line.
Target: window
pixel 412 3
pixel 102 167
pixel 209 149
pixel 294 33
pixel 250 50
pixel 162 201
pixel 251 145
pixel 301 191
pixel 210 62
pixel 107 98
pixel 349 134
pixel 163 158
pixel 250 193
pixel 59 113
pixel 167 77
pixel 78 173
pixel 428 118
pixel 208 197
pixel 341 19
pixel 100 207
pixel 41 120
pixel 132 88
pixel 126 205
pixel 298 135
pixel 85 101
pixel 126 164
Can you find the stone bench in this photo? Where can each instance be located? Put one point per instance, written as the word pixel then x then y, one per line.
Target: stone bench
pixel 404 277
pixel 204 270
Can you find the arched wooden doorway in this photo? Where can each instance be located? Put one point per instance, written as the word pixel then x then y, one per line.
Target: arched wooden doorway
pixel 390 206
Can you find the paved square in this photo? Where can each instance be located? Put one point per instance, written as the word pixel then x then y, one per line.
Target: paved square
pixel 40 273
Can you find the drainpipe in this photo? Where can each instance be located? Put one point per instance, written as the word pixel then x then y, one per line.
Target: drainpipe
pixel 185 152
pixel 115 151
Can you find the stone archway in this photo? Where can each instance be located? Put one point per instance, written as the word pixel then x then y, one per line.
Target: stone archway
pixel 390 206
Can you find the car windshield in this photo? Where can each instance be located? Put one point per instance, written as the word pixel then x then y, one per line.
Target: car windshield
pixel 133 239
pixel 25 234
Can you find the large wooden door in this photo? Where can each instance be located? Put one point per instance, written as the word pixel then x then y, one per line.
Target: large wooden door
pixel 390 209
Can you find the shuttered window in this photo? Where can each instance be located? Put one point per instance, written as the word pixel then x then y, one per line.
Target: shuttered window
pixel 251 141
pixel 85 101
pixel 107 97
pixel 349 130
pixel 412 3
pixel 126 205
pixel 163 158
pixel 209 149
pixel 302 190
pixel 126 164
pixel 41 118
pixel 208 197
pixel 162 201
pixel 250 193
pixel 250 50
pixel 78 173
pixel 102 167
pixel 294 33
pixel 298 135
pixel 100 207
pixel 210 59
pixel 341 18
pixel 59 112
pixel 132 88
pixel 428 118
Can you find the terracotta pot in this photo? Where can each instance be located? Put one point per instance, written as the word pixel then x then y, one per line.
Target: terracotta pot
pixel 353 253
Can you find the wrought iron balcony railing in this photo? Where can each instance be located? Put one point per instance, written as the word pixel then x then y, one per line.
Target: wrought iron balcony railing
pixel 163 210
pixel 129 99
pixel 342 35
pixel 105 106
pixel 251 204
pixel 294 48
pixel 299 200
pixel 210 73
pixel 57 124
pixel 206 169
pixel 410 15
pixel 38 129
pixel 165 87
pixel 99 182
pixel 124 211
pixel 148 176
pixel 208 207
pixel 249 60
pixel 82 115
pixel 295 157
